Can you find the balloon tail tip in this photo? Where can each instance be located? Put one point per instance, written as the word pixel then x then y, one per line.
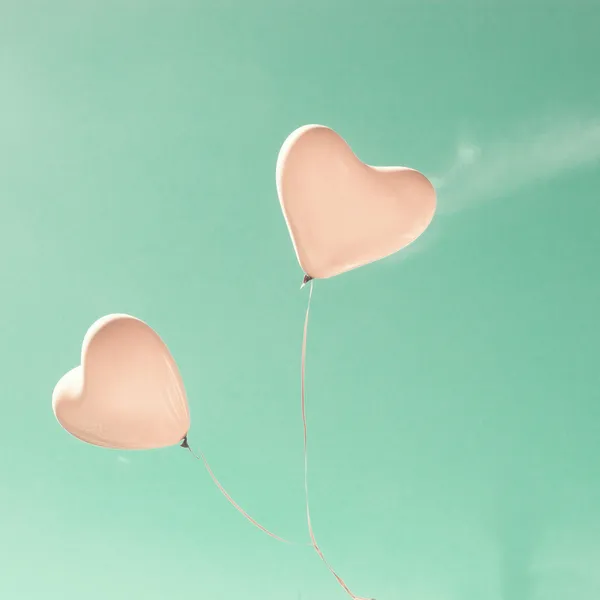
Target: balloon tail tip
pixel 184 443
pixel 306 279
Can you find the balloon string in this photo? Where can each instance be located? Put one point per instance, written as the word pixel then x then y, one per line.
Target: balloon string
pixel 200 456
pixel 308 520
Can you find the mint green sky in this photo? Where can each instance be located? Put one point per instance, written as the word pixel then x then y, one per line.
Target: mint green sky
pixel 453 390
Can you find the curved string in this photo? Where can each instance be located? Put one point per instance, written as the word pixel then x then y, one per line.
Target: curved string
pixel 200 456
pixel 308 521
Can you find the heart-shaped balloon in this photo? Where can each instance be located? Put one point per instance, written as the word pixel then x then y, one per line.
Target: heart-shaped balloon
pixel 342 213
pixel 127 393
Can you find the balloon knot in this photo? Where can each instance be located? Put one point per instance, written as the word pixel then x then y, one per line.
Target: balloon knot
pixel 306 279
pixel 184 443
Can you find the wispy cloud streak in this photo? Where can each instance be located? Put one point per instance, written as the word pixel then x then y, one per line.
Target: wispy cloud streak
pixel 489 171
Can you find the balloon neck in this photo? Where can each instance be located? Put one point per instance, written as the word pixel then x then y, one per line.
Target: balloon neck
pixel 306 279
pixel 184 443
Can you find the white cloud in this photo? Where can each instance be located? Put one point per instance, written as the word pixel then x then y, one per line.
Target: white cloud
pixel 488 171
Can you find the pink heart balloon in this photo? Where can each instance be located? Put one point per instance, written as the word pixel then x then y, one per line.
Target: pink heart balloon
pixel 127 393
pixel 341 213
